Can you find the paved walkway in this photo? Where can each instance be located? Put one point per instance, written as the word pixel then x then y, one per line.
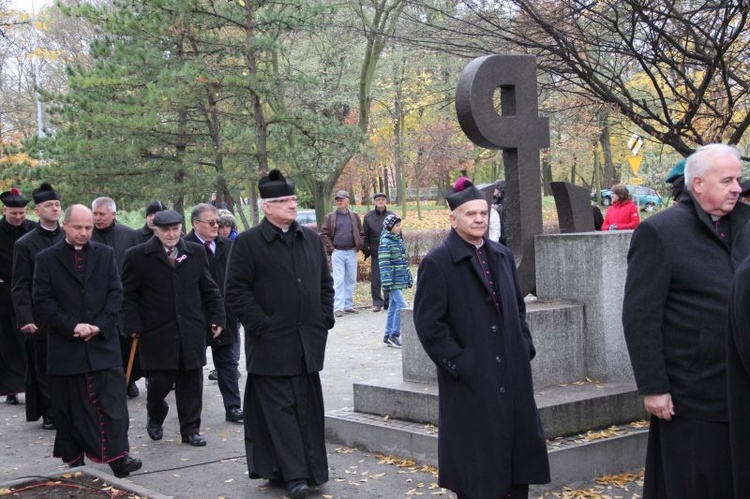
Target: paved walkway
pixel 355 353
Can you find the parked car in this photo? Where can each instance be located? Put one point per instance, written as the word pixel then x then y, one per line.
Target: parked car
pixel 307 218
pixel 645 197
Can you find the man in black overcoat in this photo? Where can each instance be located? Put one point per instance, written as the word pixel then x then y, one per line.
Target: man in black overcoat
pixel 13 225
pixel 170 299
pixel 47 233
pixel 738 378
pixel 224 348
pixel 279 285
pixel 680 267
pixel 119 237
pixel 471 320
pixel 77 296
pixel 372 227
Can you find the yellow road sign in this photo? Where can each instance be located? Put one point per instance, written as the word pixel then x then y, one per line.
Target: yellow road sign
pixel 635 163
pixel 636 181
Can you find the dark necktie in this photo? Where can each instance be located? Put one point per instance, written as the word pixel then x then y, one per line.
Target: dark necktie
pixel 172 255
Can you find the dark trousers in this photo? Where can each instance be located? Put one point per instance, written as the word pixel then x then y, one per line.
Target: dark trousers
pixel 38 398
pixel 379 297
pixel 688 459
pixel 188 395
pixel 226 361
pixel 12 357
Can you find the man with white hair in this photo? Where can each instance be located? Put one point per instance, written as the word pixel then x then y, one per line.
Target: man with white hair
pixel 680 267
pixel 107 230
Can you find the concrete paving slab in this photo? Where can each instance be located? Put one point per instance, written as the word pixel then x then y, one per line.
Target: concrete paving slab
pixel 355 354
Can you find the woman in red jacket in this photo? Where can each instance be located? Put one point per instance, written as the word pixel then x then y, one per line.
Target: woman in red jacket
pixel 623 214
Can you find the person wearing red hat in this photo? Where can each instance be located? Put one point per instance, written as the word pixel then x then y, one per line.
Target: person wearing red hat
pixel 13 225
pixel 471 320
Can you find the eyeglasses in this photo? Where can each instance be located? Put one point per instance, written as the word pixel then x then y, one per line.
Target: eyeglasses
pixel 212 223
pixel 283 201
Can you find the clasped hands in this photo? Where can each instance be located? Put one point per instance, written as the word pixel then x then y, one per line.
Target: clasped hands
pixel 85 331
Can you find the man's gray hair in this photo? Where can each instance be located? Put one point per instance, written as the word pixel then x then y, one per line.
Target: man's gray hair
pixel 200 209
pixel 698 163
pixel 226 219
pixel 104 201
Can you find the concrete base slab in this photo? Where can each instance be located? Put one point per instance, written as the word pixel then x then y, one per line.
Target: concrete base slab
pixel 564 409
pixel 571 460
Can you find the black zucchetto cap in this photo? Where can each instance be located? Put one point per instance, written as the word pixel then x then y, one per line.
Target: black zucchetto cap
pixel 155 207
pixel 166 218
pixel 13 198
pixel 45 192
pixel 274 185
pixel 462 192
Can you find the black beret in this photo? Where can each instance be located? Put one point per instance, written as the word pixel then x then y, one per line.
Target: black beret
pixel 462 192
pixel 45 192
pixel 13 198
pixel 378 195
pixel 274 185
pixel 165 218
pixel 155 207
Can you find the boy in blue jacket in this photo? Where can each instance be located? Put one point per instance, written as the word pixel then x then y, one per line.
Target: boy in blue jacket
pixel 394 275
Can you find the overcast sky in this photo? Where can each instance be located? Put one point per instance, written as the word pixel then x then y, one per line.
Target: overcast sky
pixel 26 5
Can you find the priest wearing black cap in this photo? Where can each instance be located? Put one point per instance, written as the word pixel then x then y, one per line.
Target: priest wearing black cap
pixel 77 297
pixel 471 319
pixel 279 285
pixel 13 225
pixel 48 209
pixel 167 289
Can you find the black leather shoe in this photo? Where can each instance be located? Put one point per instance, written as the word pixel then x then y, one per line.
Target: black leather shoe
pixel 155 431
pixel 125 466
pixel 235 415
pixel 78 462
pixel 195 440
pixel 297 489
pixel 133 390
pixel 48 423
pixel 213 375
pixel 11 400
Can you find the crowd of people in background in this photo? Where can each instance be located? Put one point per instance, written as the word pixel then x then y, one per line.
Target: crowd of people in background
pixel 89 306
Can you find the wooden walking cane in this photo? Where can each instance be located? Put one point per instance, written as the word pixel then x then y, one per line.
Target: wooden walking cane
pixel 129 370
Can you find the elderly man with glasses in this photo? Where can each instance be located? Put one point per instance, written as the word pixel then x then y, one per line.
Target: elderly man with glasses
pixel 225 347
pixel 279 285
